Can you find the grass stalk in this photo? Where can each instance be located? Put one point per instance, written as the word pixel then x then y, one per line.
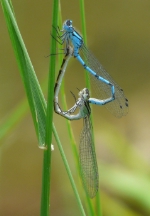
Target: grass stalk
pixel 45 198
pixel 83 22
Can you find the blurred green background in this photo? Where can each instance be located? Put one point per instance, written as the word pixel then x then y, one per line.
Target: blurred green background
pixel 118 35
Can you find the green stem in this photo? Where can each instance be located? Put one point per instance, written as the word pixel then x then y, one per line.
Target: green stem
pixel 83 24
pixel 68 171
pixel 45 202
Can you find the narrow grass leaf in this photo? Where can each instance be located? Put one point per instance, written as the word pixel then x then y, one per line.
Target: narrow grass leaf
pixel 29 78
pixel 45 198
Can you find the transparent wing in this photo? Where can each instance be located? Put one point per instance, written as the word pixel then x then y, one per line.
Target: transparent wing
pixel 87 158
pixel 118 107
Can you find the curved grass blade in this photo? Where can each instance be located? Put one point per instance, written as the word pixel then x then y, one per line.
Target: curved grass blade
pixel 31 84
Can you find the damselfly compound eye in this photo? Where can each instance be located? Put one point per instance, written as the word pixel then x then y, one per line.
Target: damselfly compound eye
pixel 69 22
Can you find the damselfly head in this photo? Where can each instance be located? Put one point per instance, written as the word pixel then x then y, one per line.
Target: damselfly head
pixel 84 93
pixel 67 25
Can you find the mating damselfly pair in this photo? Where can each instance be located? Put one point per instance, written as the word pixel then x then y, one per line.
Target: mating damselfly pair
pixel 106 88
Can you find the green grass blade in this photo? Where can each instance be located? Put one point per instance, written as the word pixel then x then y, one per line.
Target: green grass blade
pixel 45 199
pixel 83 25
pixel 36 101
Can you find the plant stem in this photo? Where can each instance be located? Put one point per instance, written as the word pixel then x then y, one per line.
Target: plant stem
pixel 68 171
pixel 45 198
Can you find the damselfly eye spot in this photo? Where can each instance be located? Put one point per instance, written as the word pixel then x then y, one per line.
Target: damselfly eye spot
pixel 69 22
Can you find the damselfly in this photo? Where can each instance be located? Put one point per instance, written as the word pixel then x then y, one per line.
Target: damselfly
pixel 87 155
pixel 102 82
